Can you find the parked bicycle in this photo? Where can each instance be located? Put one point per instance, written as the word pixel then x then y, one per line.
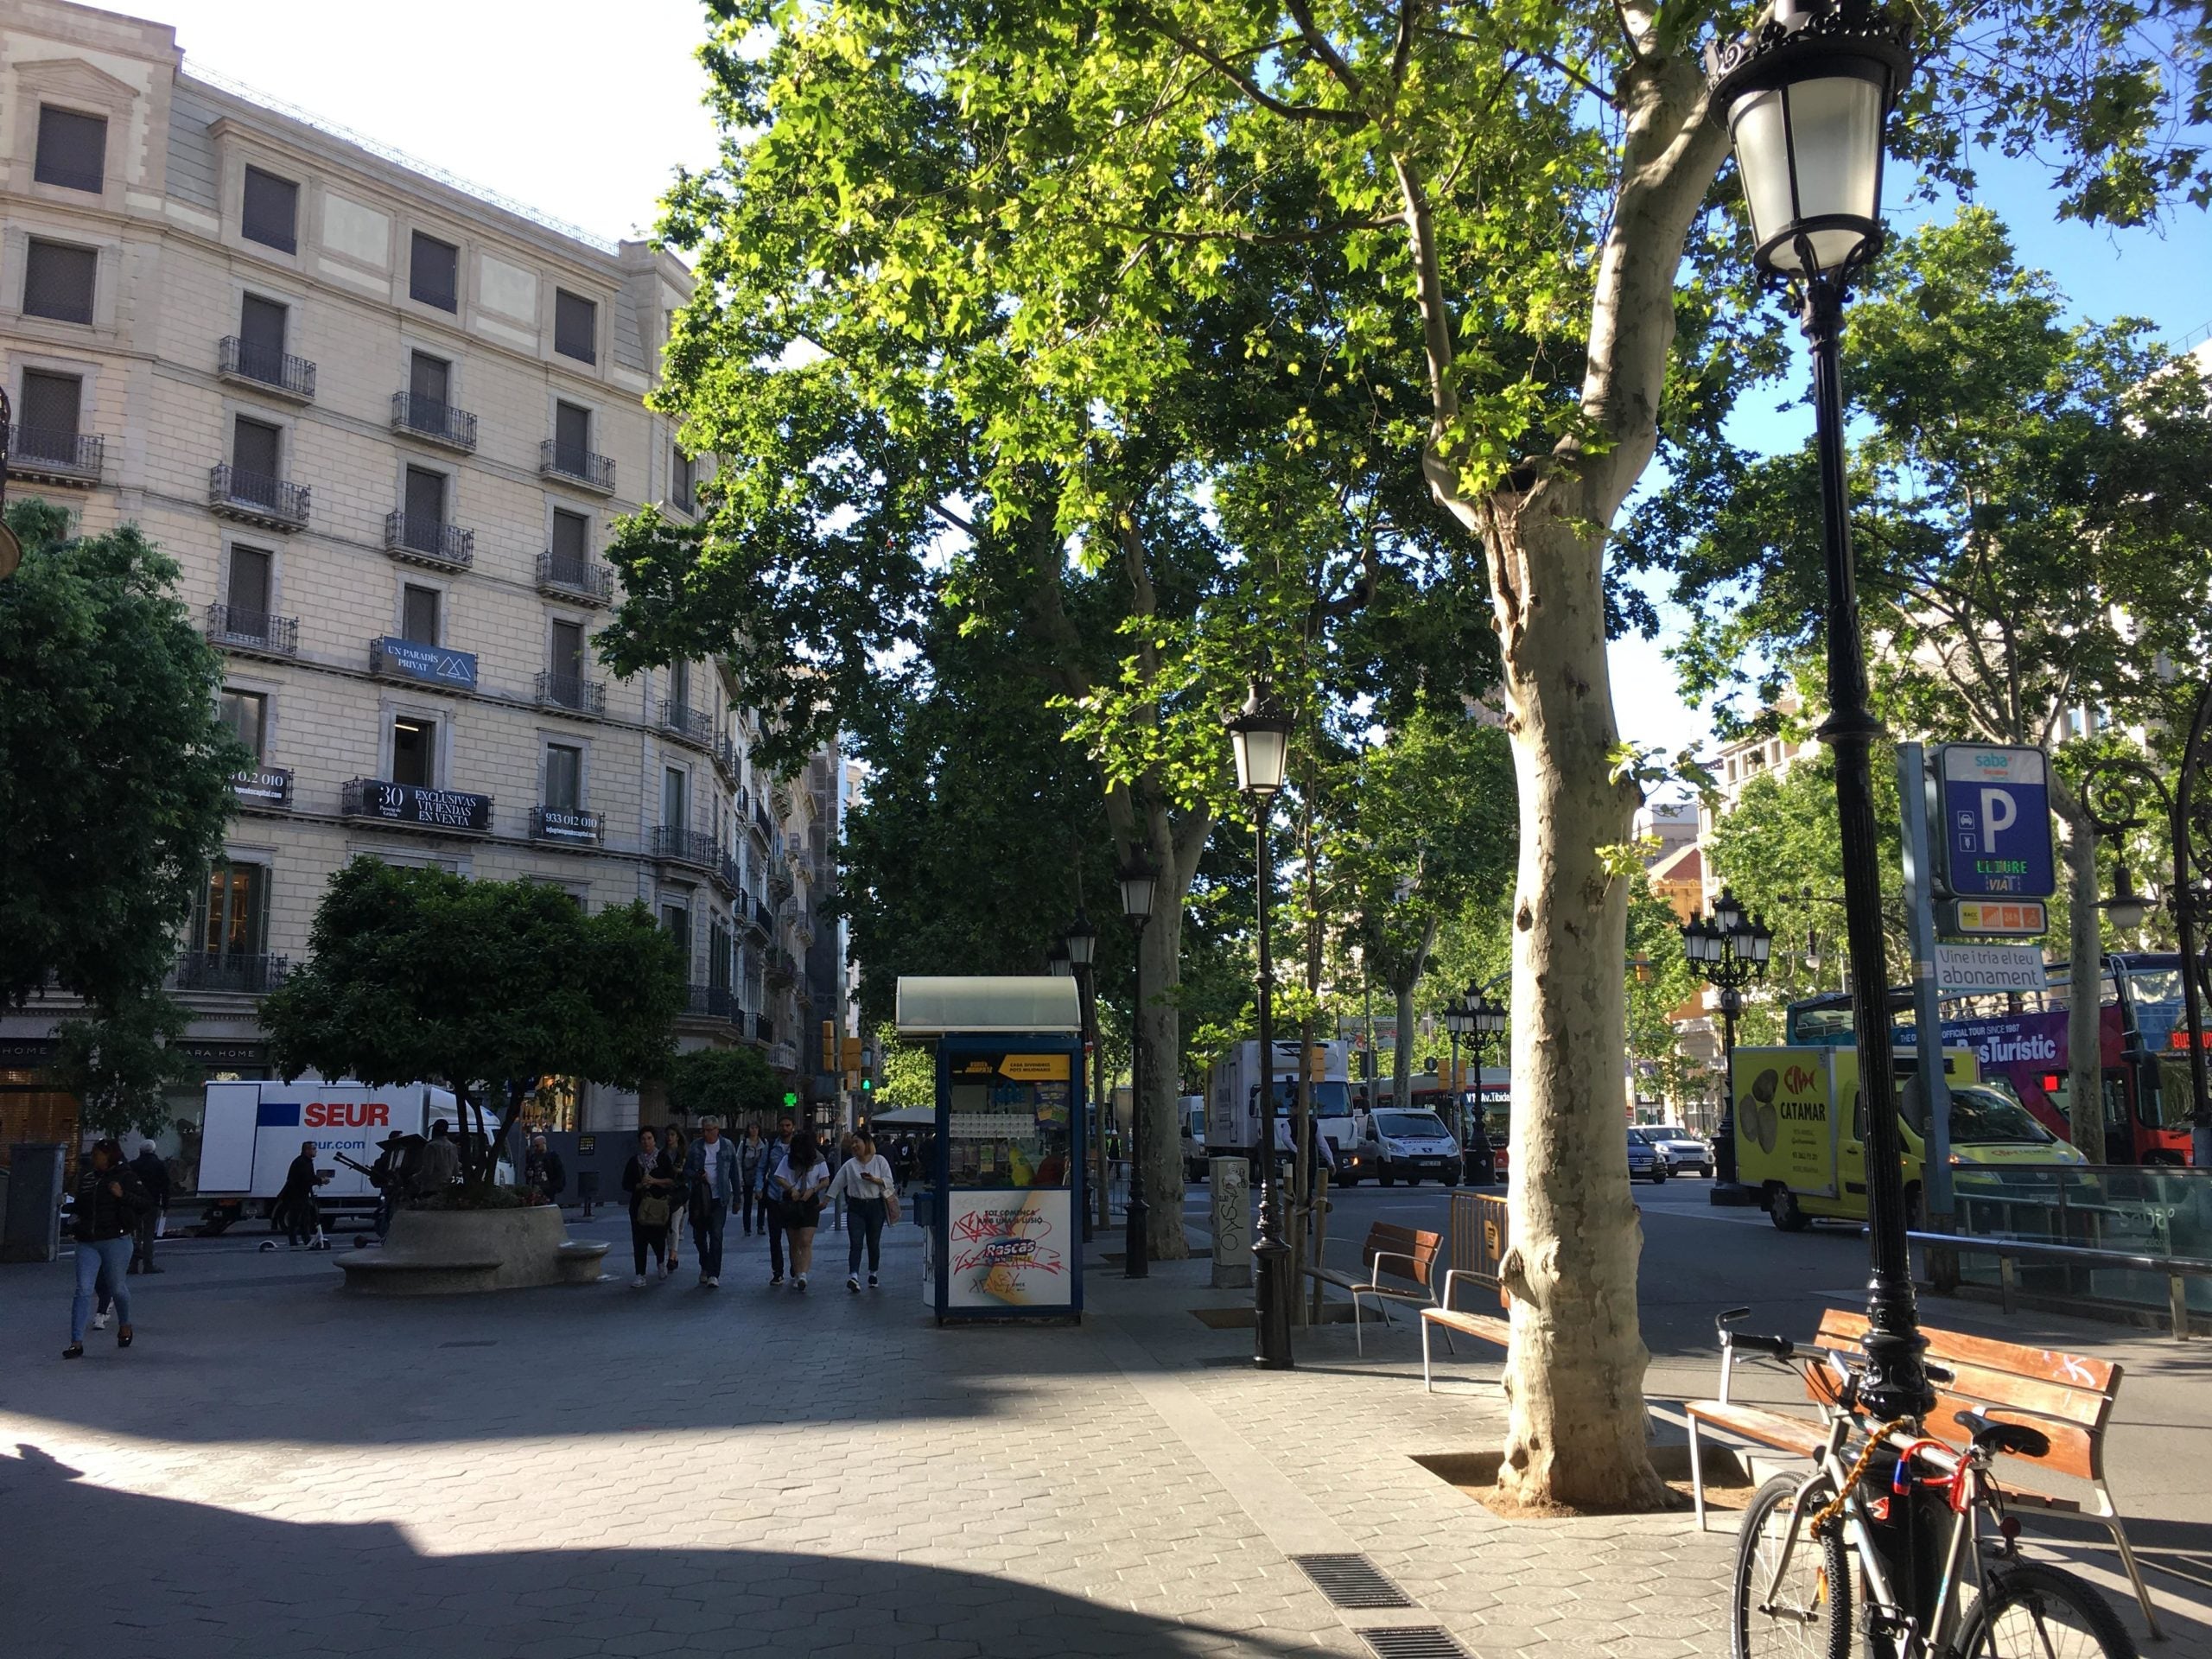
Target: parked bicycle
pixel 1807 1539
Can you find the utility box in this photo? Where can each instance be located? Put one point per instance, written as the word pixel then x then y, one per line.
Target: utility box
pixel 33 1227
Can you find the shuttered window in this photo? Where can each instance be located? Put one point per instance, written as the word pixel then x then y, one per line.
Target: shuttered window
pixel 254 448
pixel 270 213
pixel 429 381
pixel 58 281
pixel 570 534
pixel 434 273
pixel 72 149
pixel 249 590
pixel 575 326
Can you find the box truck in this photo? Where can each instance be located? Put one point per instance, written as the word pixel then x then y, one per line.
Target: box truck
pixel 253 1130
pixel 1232 1125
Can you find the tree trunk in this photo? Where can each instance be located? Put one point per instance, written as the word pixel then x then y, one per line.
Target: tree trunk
pixel 1401 1087
pixel 2085 995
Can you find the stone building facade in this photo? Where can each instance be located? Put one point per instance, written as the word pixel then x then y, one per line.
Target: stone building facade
pixel 384 423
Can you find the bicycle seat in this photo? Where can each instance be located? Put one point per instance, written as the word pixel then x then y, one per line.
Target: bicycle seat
pixel 1990 1435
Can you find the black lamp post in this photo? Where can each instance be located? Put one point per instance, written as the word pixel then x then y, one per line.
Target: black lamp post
pixel 1806 98
pixel 1140 878
pixel 2114 795
pixel 1459 1022
pixel 1260 732
pixel 1081 944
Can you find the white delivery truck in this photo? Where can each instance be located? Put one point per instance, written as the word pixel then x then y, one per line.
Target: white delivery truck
pixel 1232 1126
pixel 1191 1125
pixel 252 1131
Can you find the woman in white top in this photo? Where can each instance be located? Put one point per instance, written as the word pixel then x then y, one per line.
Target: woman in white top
pixel 864 1182
pixel 802 1177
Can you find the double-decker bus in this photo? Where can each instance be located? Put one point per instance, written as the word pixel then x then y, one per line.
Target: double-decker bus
pixel 2021 1040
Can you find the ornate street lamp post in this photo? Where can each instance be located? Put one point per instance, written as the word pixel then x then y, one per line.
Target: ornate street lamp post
pixel 1260 732
pixel 1806 98
pixel 1140 878
pixel 1459 1022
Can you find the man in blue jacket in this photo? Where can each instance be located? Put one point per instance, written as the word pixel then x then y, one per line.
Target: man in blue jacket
pixel 771 1197
pixel 711 1174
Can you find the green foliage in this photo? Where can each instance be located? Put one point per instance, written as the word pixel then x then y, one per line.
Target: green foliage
pixel 732 1083
pixel 417 975
pixel 909 1072
pixel 1659 981
pixel 122 1064
pixel 114 771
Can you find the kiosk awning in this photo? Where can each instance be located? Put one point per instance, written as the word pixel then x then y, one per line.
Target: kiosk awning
pixel 933 1006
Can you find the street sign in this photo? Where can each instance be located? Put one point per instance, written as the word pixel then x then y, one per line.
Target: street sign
pixel 1990 967
pixel 1995 838
pixel 1988 919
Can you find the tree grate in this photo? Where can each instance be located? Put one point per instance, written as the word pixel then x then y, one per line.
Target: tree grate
pixel 1414 1642
pixel 1351 1582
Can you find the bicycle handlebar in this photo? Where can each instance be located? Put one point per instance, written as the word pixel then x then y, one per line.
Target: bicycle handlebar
pixel 1780 1347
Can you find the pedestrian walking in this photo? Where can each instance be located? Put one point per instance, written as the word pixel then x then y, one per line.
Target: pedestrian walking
pixel 865 1182
pixel 750 1152
pixel 836 1193
pixel 802 1176
pixel 296 1209
pixel 543 1174
pixel 389 1176
pixel 109 1201
pixel 713 1178
pixel 154 1176
pixel 648 1179
pixel 771 1197
pixel 678 1150
pixel 438 1164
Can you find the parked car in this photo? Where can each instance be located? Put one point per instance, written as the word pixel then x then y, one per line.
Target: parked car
pixel 1408 1147
pixel 1646 1162
pixel 1685 1152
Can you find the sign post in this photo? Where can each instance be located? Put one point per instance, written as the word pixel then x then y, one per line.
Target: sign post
pixel 1996 817
pixel 1913 792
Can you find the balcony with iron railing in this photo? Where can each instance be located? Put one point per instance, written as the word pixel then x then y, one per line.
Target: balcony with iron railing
pixel 418 538
pixel 673 845
pixel 727 874
pixel 574 693
pixel 711 1002
pixel 693 725
pixel 727 763
pixel 257 499
pixel 573 464
pixel 40 454
pixel 414 416
pixel 237 974
pixel 265 368
pixel 566 576
pixel 254 632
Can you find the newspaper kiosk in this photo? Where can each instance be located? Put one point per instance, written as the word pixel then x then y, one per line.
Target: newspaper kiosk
pixel 1003 1226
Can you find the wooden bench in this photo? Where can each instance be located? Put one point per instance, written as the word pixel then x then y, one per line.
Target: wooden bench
pixel 1484 1327
pixel 1401 1254
pixel 2067 1397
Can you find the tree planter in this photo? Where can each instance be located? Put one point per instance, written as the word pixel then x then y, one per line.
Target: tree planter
pixel 444 1252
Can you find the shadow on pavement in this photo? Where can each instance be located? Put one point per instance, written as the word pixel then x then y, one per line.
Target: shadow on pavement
pixel 91 1572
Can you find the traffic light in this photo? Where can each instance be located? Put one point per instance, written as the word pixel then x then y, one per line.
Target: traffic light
pixel 868 1084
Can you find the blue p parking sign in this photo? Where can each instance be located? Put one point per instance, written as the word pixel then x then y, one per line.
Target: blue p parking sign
pixel 1996 836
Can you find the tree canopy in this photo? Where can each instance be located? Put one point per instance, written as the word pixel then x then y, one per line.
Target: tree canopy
pixel 731 1083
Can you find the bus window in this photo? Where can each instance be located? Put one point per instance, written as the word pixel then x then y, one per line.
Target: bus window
pixel 2116 1114
pixel 2167 1105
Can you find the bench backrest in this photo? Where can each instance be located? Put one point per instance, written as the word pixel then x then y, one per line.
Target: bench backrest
pixel 2067 1397
pixel 1402 1253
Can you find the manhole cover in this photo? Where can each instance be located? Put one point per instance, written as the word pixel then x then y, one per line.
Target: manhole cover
pixel 1414 1642
pixel 1351 1582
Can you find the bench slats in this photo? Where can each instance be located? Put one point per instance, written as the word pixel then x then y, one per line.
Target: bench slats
pixel 2050 1364
pixel 1797 1435
pixel 1484 1325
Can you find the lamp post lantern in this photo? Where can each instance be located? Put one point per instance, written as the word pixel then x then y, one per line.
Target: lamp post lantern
pixel 1260 733
pixel 1139 879
pixel 1806 98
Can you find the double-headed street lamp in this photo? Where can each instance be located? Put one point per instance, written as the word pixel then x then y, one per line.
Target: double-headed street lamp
pixel 1477 1019
pixel 1139 879
pixel 1729 948
pixel 1806 98
pixel 2114 794
pixel 1260 732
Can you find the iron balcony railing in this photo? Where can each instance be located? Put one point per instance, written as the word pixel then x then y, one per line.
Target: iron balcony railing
pixel 572 692
pixel 246 975
pixel 573 577
pixel 267 366
pixel 694 725
pixel 423 540
pixel 434 421
pixel 712 1002
pixel 257 498
pixel 52 456
pixel 684 846
pixel 725 760
pixel 726 873
pixel 574 464
pixel 241 629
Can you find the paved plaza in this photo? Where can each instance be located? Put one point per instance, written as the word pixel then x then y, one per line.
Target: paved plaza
pixel 277 1468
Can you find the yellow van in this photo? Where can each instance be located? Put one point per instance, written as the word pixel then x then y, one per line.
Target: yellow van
pixel 1809 1158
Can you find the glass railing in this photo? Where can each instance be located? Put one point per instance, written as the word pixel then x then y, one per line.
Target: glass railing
pixel 2157 1211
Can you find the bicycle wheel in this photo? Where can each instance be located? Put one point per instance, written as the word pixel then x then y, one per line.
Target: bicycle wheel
pixel 2034 1611
pixel 1808 1614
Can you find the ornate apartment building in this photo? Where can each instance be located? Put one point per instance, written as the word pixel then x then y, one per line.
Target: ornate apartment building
pixel 383 423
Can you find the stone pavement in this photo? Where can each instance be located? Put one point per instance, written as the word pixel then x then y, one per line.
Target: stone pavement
pixel 276 1469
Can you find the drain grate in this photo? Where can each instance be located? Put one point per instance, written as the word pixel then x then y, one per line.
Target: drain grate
pixel 1351 1582
pixel 1414 1642
pixel 487 1342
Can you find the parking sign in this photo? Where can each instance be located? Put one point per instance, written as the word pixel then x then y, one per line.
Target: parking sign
pixel 1996 840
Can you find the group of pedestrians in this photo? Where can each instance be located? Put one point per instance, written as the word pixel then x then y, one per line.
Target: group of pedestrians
pixel 779 1185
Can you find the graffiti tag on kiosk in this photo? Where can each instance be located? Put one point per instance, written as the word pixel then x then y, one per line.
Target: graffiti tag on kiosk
pixel 1012 1239
pixel 998 1224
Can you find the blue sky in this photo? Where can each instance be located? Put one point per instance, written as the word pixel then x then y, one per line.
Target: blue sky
pixel 585 118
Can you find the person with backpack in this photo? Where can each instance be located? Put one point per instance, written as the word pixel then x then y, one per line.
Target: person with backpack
pixel 649 1178
pixel 800 1179
pixel 865 1182
pixel 110 1200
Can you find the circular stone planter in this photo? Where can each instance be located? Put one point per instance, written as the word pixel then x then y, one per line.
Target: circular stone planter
pixel 441 1252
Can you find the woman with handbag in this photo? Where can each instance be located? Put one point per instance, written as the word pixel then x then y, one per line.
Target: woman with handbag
pixel 675 1149
pixel 800 1180
pixel 648 1179
pixel 865 1182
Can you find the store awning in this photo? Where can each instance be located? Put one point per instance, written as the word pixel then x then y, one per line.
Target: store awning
pixel 936 1005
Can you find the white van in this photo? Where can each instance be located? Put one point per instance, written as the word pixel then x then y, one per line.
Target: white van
pixel 252 1131
pixel 1191 1117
